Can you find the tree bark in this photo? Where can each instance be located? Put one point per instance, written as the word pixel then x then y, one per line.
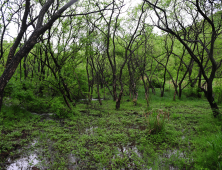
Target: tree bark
pixel 209 95
pixel 119 99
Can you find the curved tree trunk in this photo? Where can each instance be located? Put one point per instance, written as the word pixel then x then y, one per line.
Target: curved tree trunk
pixel 15 58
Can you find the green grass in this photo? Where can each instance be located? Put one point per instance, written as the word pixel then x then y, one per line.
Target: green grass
pixel 102 137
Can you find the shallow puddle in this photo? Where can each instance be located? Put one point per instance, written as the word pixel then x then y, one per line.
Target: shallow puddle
pixel 44 116
pixel 30 160
pixel 35 156
pixel 175 152
pixel 24 162
pixel 128 150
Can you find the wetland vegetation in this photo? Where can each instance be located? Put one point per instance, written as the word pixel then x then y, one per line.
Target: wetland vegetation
pixel 110 84
pixel 168 134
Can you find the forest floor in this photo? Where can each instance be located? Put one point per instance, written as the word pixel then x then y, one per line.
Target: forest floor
pixel 169 134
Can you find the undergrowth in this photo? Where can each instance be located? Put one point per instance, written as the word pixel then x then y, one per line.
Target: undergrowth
pixel 179 134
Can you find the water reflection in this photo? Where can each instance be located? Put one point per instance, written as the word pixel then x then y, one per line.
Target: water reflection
pixel 24 162
pixel 34 156
pixel 30 160
pixel 128 150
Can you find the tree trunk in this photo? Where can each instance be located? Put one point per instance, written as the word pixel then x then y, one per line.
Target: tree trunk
pixel 13 64
pixel 209 95
pixel 180 91
pixel 119 99
pixel 104 87
pixel 213 105
pixel 68 93
pixel 199 84
pixel 146 87
pixel 65 99
pixel 98 82
pixel 25 68
pixel 164 77
pixel 114 88
pixel 162 91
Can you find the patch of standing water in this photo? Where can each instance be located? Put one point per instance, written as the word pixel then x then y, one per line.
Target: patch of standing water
pixel 28 160
pixel 128 150
pixel 170 153
pixel 25 162
pixel 45 116
pixel 92 99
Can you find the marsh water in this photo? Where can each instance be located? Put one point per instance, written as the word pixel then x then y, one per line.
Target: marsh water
pixel 30 160
pixel 35 156
pixel 32 156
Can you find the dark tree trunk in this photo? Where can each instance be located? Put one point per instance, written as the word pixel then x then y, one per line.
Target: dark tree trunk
pixel 213 106
pixel 199 84
pixel 209 95
pixel 68 93
pixel 146 87
pixel 114 87
pixel 65 99
pixel 25 68
pixel 164 80
pixel 180 91
pixel 131 80
pixel 119 99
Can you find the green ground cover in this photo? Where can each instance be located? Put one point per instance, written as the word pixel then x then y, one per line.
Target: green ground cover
pixel 179 134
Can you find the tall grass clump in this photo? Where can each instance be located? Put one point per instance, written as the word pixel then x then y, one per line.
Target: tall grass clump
pixel 156 120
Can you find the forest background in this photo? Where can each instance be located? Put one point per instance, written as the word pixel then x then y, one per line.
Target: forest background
pixel 66 53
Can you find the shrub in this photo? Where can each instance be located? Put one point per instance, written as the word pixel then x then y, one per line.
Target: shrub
pixel 192 92
pixel 59 109
pixel 21 90
pixel 156 84
pixel 38 105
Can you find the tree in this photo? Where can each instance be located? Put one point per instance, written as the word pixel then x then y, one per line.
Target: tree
pixel 14 58
pixel 40 24
pixel 193 22
pixel 7 16
pixel 113 33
